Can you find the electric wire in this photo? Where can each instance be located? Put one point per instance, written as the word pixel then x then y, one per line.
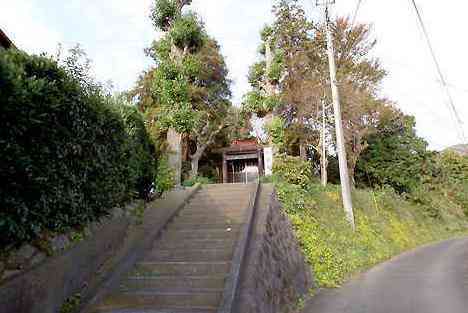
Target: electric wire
pixel 443 81
pixel 356 12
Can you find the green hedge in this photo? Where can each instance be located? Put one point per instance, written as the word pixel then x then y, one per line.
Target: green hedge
pixel 140 152
pixel 67 155
pixel 293 170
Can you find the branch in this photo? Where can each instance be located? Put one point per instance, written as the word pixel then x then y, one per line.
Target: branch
pixel 201 147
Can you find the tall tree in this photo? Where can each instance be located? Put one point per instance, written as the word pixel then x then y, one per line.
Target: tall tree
pixel 186 95
pixel 305 88
pixel 359 77
pixel 210 96
pixel 395 156
pixel 184 36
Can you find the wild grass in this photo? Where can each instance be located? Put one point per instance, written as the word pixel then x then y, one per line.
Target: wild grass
pixel 387 224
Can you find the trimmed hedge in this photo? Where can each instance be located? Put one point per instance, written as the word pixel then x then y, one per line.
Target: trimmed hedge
pixel 140 152
pixel 67 155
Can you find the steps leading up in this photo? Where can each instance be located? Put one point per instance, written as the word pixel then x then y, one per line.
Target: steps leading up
pixel 188 266
pixel 175 283
pixel 149 269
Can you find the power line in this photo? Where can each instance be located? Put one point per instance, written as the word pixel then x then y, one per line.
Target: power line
pixel 444 83
pixel 356 11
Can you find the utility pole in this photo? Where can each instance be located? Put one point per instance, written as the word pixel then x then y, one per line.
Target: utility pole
pixel 340 142
pixel 324 160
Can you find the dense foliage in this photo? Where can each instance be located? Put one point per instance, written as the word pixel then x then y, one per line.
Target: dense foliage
pixel 187 32
pixel 164 176
pixel 68 153
pixel 293 170
pixel 386 225
pixel 140 150
pixel 163 13
pixel 395 157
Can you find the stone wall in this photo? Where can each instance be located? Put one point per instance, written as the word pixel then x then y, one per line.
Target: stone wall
pixel 275 276
pixel 79 271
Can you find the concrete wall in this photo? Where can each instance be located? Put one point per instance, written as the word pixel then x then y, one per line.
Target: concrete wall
pixel 113 247
pixel 275 275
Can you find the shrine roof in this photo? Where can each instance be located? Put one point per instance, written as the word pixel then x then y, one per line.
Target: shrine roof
pixel 242 146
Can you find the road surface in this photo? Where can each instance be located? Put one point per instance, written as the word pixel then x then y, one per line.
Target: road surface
pixel 431 279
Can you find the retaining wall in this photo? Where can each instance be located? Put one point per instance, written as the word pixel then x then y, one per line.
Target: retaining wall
pixel 275 276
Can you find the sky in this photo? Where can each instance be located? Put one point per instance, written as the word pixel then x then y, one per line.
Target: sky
pixel 114 33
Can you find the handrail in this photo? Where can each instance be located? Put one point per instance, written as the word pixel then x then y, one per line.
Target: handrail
pixel 232 281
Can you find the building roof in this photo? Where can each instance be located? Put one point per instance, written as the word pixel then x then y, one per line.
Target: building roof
pixel 5 42
pixel 242 146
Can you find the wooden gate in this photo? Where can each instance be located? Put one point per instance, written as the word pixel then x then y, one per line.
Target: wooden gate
pixel 243 171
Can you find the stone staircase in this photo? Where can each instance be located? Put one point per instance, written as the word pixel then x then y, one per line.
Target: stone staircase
pixel 190 267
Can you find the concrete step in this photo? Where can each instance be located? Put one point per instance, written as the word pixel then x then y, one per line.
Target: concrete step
pixel 174 283
pixel 195 244
pixel 156 269
pixel 174 235
pixel 222 192
pixel 155 300
pixel 203 219
pixel 202 225
pixel 161 310
pixel 213 213
pixel 226 187
pixel 210 209
pixel 240 217
pixel 186 269
pixel 199 255
pixel 240 201
pixel 222 197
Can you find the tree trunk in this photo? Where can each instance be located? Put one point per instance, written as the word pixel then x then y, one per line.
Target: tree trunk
pixel 195 159
pixel 174 140
pixel 194 172
pixel 303 151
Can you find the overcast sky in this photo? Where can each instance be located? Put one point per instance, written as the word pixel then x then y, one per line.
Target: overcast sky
pixel 115 32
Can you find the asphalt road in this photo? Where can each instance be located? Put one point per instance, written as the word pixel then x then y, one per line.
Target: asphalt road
pixel 431 279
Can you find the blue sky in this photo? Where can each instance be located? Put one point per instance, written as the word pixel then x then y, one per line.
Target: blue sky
pixel 115 32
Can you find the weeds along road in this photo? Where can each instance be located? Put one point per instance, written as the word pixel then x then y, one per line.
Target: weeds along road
pixel 431 279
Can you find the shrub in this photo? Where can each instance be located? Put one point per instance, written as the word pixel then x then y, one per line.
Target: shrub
pixel 197 180
pixel 396 157
pixel 293 170
pixel 64 150
pixel 164 177
pixel 140 150
pixel 454 167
